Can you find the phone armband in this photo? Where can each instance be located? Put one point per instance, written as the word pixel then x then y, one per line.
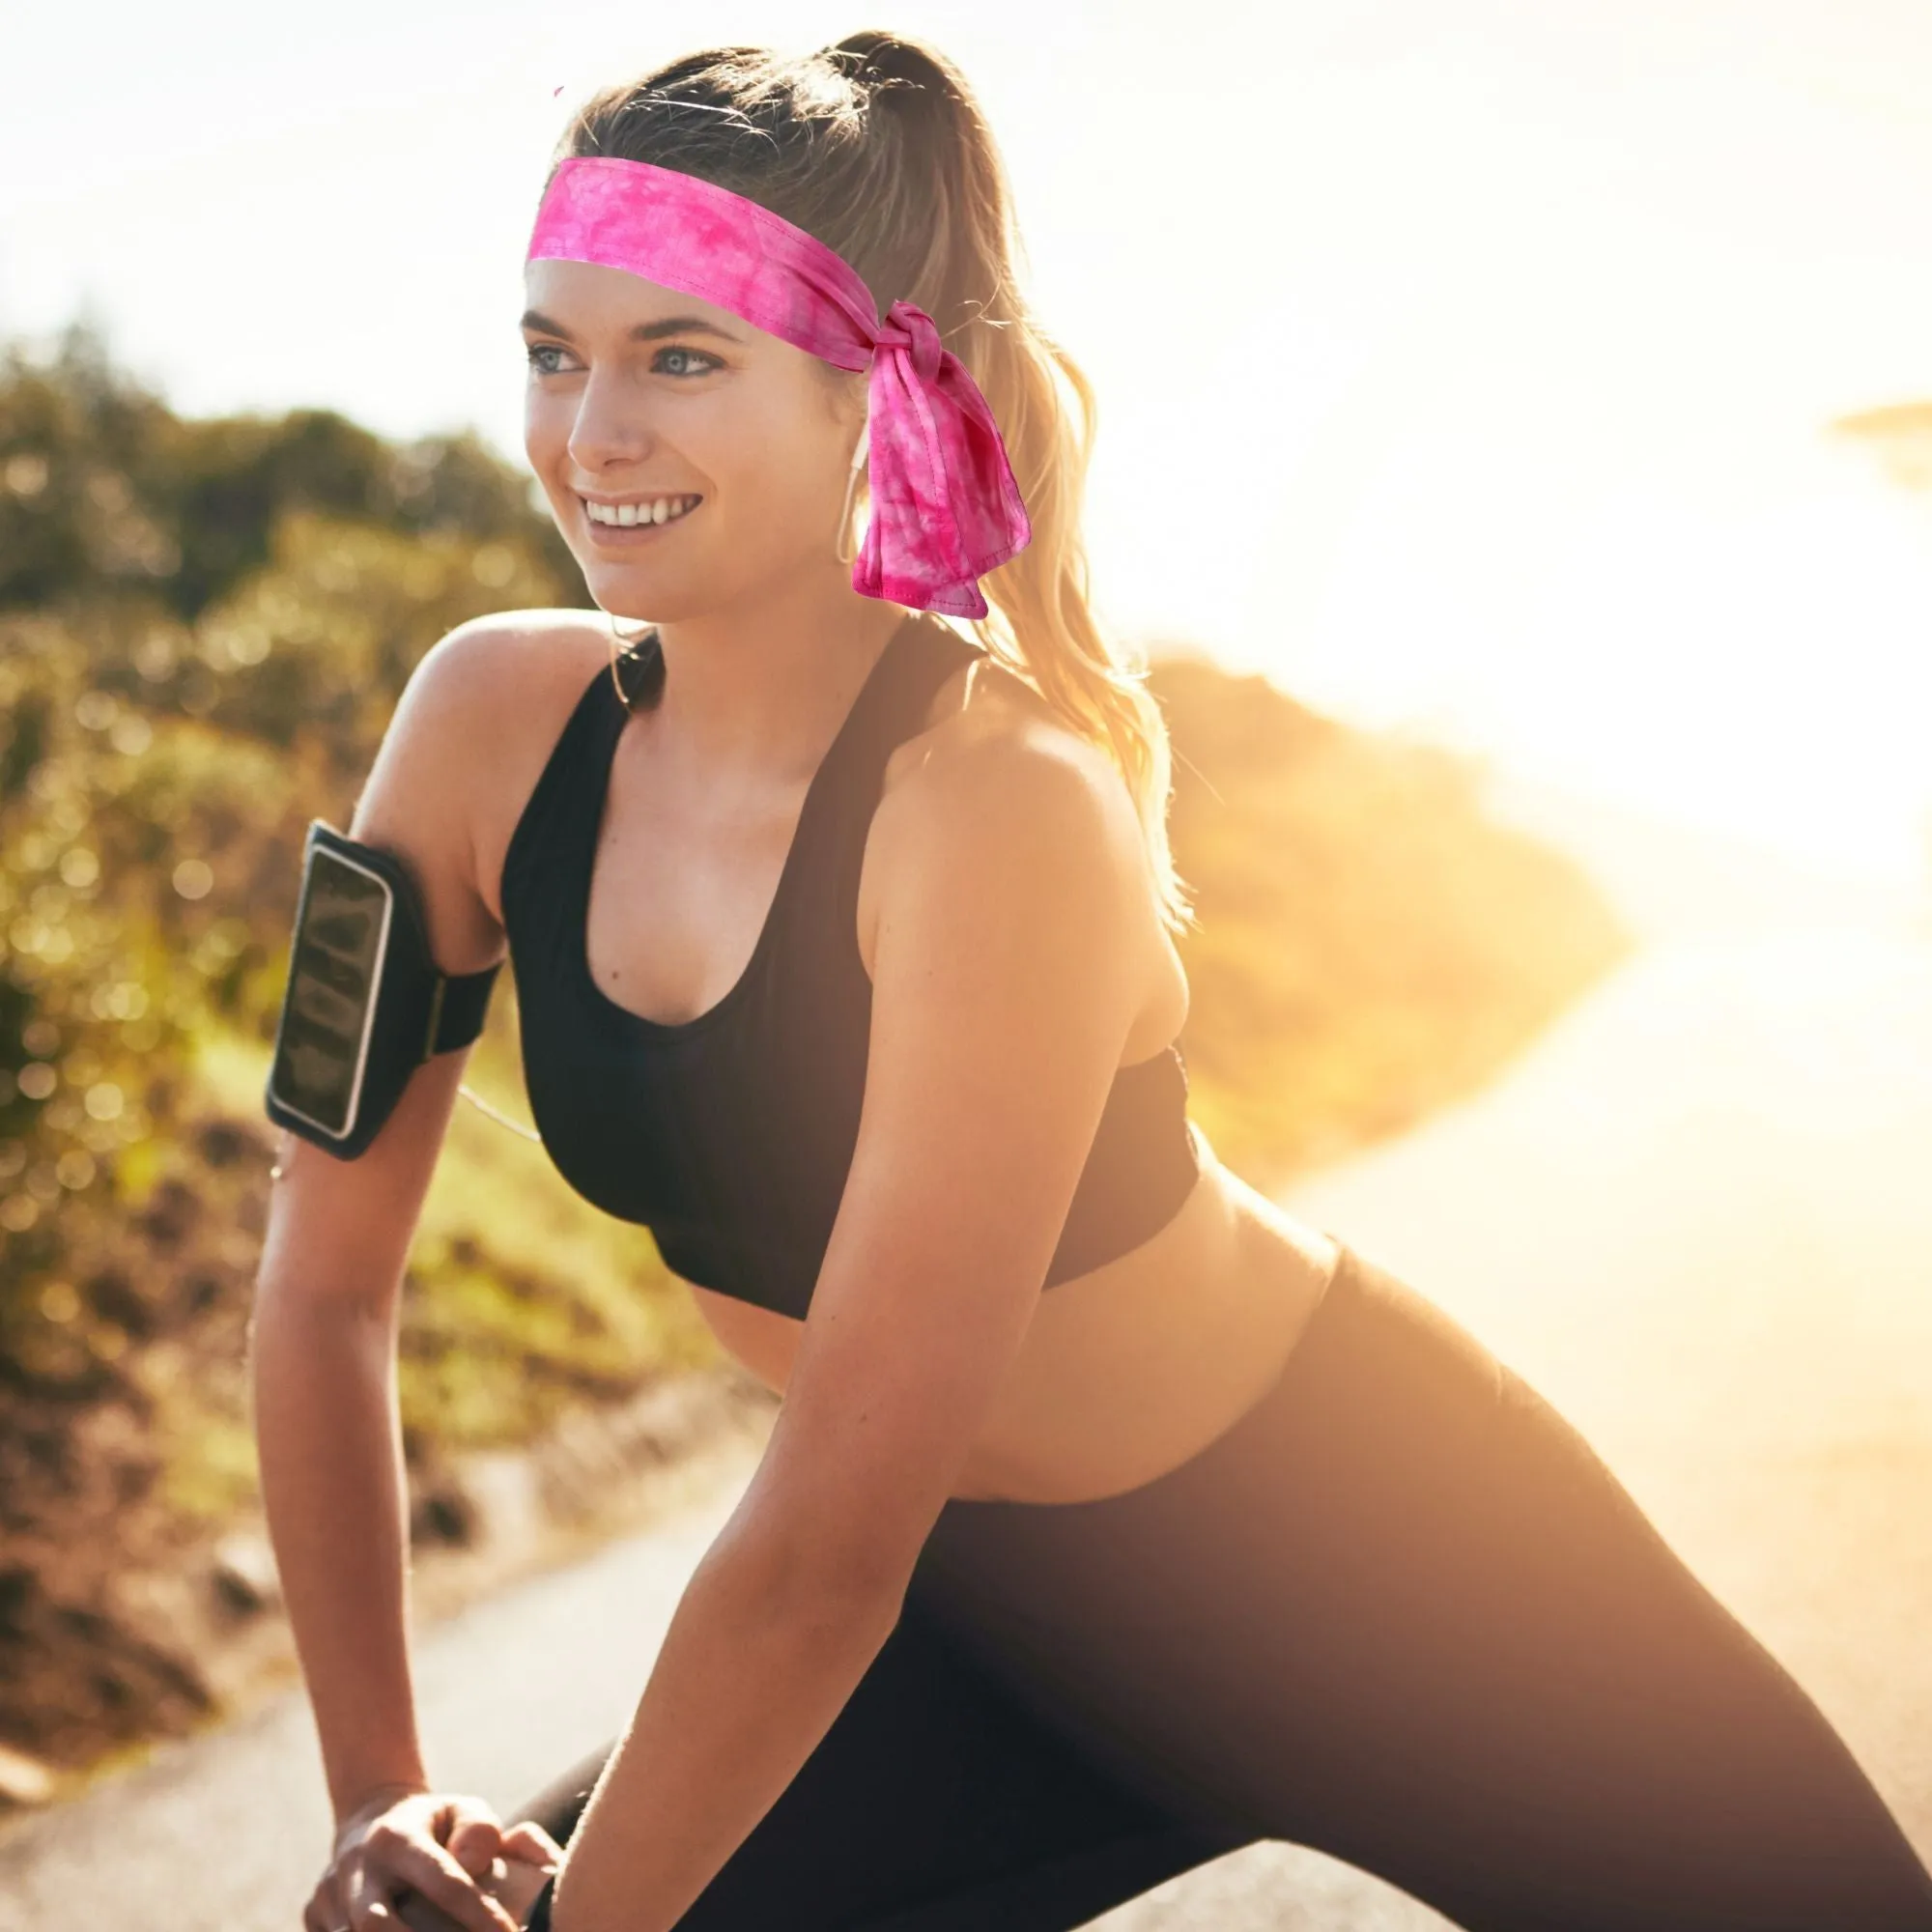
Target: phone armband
pixel 365 1003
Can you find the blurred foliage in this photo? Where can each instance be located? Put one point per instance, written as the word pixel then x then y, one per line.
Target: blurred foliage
pixel 1371 945
pixel 105 491
pixel 204 629
pixel 131 851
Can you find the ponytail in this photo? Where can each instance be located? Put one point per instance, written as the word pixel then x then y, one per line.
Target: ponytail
pixel 1041 624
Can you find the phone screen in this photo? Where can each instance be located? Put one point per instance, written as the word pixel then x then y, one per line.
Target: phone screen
pixel 335 963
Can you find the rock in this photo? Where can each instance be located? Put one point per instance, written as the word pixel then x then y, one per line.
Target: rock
pixel 501 1484
pixel 24 1780
pixel 244 1574
pixel 442 1513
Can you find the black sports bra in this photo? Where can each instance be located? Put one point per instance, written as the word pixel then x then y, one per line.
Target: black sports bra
pixel 729 1135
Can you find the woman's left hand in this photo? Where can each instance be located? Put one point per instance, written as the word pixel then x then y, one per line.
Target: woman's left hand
pixel 511 1867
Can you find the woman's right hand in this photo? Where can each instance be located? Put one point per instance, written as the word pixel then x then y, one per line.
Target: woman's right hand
pixel 398 1842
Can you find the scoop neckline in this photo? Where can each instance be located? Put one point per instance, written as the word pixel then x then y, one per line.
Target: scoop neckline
pixel 720 1008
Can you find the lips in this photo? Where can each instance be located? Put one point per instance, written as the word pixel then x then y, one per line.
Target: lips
pixel 689 498
pixel 627 535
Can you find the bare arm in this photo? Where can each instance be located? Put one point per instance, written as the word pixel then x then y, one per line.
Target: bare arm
pixel 1005 985
pixel 323 1337
pixel 328 1439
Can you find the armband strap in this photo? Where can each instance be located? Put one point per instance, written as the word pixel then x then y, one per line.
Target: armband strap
pixel 458 1003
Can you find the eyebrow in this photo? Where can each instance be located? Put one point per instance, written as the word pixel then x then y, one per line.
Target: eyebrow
pixel 645 331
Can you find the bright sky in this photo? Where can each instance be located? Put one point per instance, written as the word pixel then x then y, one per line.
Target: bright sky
pixel 1464 364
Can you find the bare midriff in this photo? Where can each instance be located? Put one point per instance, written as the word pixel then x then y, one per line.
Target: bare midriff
pixel 1130 1370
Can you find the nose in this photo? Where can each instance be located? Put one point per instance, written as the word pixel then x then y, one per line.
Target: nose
pixel 612 427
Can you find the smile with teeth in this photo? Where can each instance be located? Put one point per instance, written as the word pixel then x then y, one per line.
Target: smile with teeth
pixel 659 510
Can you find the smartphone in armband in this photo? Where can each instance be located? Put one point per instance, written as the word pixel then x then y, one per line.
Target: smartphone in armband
pixel 365 1003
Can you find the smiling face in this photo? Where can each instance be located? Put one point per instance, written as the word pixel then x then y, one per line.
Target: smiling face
pixel 638 393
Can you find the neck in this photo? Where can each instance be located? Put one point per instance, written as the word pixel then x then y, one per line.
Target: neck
pixel 760 690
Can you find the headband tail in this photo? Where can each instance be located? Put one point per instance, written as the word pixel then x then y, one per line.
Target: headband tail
pixel 946 509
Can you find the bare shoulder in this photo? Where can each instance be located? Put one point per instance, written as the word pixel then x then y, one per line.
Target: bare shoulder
pixel 997 769
pixel 461 755
pixel 523 673
pixel 489 670
pixel 998 799
pixel 471 695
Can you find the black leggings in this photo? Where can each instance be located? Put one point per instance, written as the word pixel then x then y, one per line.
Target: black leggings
pixel 1400 1612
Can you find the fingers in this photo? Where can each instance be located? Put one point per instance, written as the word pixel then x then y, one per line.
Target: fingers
pixel 329 1908
pixel 418 1914
pixel 476 1844
pixel 379 1797
pixel 531 1843
pixel 393 1856
pixel 427 1863
pixel 324 1913
pixel 367 1897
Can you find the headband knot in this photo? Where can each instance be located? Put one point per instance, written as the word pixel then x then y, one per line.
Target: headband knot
pixel 946 509
pixel 906 324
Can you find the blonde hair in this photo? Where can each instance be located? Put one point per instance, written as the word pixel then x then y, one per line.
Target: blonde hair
pixel 877 147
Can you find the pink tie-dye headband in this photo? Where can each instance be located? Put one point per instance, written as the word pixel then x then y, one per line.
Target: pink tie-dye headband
pixel 945 506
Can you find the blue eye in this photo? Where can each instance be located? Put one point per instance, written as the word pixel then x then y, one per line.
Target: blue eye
pixel 537 348
pixel 698 353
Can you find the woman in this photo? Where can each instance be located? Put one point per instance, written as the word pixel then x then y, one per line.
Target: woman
pixel 1112 1518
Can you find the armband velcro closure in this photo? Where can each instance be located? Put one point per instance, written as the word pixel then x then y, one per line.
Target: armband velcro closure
pixel 457 1004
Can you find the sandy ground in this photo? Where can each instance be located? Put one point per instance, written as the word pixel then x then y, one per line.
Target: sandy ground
pixel 1695 1217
